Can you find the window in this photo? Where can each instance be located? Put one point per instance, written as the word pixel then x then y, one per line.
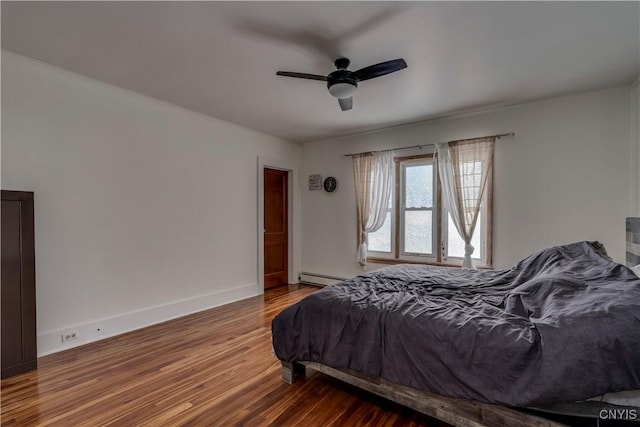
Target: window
pixel 413 230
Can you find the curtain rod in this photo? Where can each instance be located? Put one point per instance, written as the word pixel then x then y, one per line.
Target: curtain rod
pixel 497 136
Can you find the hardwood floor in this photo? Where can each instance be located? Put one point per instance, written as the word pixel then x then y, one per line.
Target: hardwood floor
pixel 212 368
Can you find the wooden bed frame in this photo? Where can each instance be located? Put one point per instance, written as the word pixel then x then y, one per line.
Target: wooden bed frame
pixel 455 411
pixel 633 242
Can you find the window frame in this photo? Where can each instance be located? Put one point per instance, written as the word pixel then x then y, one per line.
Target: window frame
pixel 400 205
pixel 439 219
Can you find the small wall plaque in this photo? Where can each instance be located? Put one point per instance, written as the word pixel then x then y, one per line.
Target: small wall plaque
pixel 315 182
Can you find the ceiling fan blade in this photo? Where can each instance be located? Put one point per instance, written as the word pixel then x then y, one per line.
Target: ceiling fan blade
pixel 380 69
pixel 302 75
pixel 346 103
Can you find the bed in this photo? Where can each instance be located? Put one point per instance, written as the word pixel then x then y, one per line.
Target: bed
pixel 466 347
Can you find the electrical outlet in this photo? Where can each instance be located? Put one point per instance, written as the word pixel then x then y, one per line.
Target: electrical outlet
pixel 69 336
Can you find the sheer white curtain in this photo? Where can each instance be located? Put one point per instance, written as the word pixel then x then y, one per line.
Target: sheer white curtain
pixel 373 175
pixel 464 168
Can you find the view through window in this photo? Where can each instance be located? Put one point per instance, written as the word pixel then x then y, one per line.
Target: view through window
pixel 410 231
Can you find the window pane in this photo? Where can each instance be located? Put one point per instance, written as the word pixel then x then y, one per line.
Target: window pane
pixel 471 174
pixel 455 244
pixel 419 186
pixel 417 232
pixel 380 241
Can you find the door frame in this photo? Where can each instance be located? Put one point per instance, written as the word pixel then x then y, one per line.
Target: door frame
pixel 292 180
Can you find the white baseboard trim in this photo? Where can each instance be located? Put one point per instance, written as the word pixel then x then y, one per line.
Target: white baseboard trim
pixel 51 341
pixel 320 279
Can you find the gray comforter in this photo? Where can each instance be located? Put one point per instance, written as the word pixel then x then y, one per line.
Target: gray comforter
pixel 562 325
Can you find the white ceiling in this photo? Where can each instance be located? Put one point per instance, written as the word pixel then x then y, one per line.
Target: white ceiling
pixel 221 58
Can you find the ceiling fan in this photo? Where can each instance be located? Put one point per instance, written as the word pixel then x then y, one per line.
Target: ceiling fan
pixel 343 83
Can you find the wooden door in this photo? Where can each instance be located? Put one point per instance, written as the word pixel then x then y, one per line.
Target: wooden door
pixel 276 233
pixel 18 297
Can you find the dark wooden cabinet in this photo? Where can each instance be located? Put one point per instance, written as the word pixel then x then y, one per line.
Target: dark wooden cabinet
pixel 18 284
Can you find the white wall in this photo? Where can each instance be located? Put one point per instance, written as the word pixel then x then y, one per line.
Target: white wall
pixel 634 158
pixel 563 178
pixel 144 211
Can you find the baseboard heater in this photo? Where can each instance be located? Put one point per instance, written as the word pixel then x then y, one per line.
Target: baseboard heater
pixel 320 279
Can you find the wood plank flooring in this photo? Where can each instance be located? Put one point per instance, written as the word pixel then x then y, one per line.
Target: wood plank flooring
pixel 212 368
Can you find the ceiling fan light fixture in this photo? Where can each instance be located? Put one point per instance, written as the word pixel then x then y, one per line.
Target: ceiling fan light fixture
pixel 342 83
pixel 342 90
